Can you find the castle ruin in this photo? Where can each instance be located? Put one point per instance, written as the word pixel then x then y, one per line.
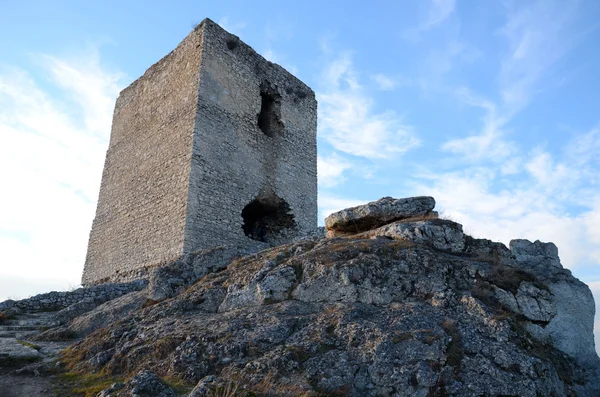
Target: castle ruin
pixel 213 145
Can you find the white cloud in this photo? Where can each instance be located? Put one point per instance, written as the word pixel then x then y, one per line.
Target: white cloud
pixel 331 169
pixel 384 82
pixel 437 12
pixel 584 149
pixel 489 143
pixel 547 173
pixel 538 34
pixel 53 164
pixel 347 120
pixel 92 88
pixel 488 146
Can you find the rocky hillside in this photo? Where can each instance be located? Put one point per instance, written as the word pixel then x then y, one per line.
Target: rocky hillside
pixel 395 302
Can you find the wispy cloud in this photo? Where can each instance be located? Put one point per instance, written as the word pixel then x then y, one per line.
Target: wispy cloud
pixel 349 122
pixel 56 162
pixel 489 143
pixel 331 169
pixel 438 11
pixel 384 82
pixel 537 35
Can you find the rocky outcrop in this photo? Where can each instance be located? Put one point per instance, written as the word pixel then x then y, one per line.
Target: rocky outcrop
pixel 568 302
pixel 378 213
pixel 412 308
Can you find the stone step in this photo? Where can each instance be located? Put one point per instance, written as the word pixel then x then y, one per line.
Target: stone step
pixel 18 334
pixel 43 319
pixel 28 323
pixel 23 327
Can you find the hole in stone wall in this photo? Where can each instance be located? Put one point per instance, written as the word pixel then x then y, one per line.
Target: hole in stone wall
pixel 269 118
pixel 267 219
pixel 232 43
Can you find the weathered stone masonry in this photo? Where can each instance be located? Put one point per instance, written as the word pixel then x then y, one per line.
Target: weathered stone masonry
pixel 213 145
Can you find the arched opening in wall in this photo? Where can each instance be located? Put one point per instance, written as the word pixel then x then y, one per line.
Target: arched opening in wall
pixel 268 219
pixel 269 118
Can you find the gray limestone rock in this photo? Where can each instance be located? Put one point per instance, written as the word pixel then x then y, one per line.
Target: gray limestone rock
pixel 378 213
pixel 535 256
pixel 440 234
pixel 12 350
pixel 144 384
pixel 360 316
pixel 567 304
pixel 534 303
pixel 571 329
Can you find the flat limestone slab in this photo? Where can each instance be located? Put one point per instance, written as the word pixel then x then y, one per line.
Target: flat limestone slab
pixel 378 213
pixel 11 349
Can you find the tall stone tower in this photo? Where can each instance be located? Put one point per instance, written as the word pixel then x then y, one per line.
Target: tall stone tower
pixel 213 145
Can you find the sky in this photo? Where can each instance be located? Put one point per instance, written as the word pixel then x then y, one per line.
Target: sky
pixel 492 107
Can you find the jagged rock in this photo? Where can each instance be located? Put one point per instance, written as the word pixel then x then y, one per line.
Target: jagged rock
pixel 144 384
pixel 377 213
pixel 536 256
pixel 567 304
pixel 534 303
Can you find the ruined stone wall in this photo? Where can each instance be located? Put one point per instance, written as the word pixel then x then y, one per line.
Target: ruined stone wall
pixel 213 146
pixel 57 300
pixel 235 162
pixel 140 216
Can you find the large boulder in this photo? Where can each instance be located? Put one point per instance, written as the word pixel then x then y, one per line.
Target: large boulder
pixel 378 213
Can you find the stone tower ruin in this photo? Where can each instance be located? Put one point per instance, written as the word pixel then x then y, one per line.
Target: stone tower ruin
pixel 213 145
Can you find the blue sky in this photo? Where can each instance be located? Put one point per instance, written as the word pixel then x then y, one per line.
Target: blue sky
pixel 491 107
